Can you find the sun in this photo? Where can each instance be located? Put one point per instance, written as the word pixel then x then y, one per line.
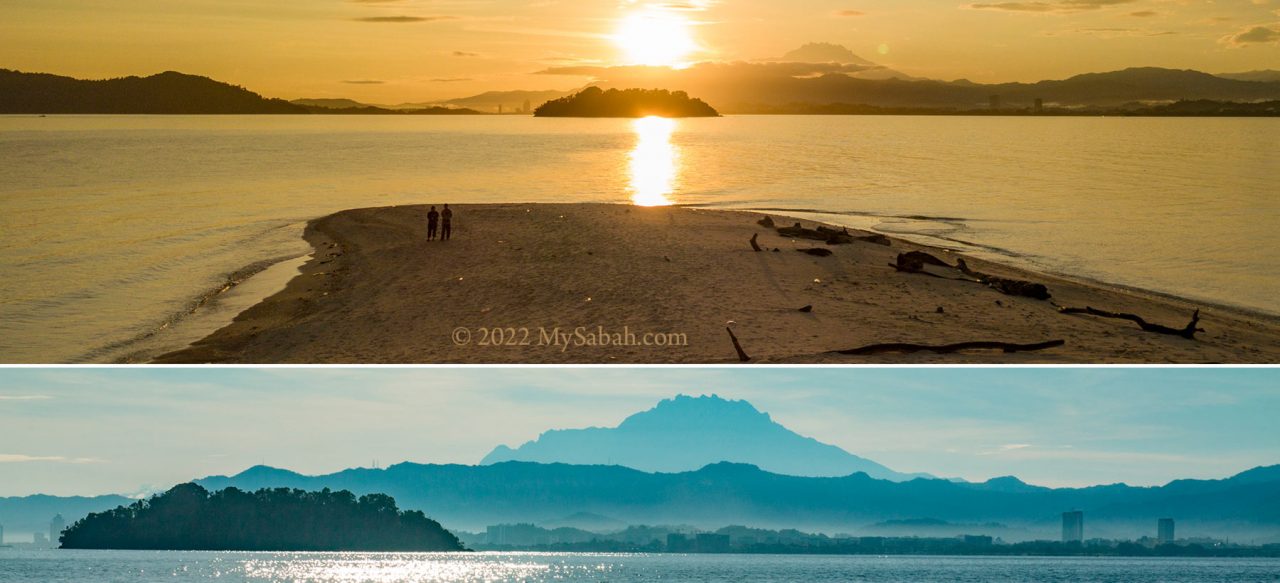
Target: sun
pixel 655 38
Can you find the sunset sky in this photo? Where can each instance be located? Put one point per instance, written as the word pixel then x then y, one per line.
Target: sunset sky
pixel 87 431
pixel 393 51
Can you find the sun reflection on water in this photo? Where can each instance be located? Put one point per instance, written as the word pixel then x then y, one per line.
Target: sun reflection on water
pixel 417 568
pixel 654 161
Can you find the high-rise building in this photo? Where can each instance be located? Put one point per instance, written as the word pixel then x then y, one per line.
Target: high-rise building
pixel 1073 526
pixel 56 527
pixel 1164 531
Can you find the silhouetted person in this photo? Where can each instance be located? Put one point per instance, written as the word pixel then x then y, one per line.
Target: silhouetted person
pixel 446 223
pixel 433 218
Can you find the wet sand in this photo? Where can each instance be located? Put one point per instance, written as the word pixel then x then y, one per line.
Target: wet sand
pixel 551 283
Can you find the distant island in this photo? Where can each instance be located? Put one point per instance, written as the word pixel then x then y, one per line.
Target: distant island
pixel 189 517
pixel 593 102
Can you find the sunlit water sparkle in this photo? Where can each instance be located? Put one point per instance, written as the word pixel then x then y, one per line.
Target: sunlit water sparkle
pixel 50 566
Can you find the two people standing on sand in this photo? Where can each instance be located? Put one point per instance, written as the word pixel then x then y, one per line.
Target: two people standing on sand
pixel 444 218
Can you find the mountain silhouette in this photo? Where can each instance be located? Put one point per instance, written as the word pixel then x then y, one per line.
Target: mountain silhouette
pixel 166 93
pixel 824 53
pixel 792 87
pixel 687 433
pixel 472 497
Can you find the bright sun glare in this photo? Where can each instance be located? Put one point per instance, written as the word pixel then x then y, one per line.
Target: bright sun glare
pixel 656 38
pixel 654 162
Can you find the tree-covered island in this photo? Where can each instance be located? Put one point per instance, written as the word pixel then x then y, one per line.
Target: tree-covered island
pixel 594 102
pixel 189 517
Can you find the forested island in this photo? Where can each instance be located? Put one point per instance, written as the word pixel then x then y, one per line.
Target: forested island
pixel 189 517
pixel 594 102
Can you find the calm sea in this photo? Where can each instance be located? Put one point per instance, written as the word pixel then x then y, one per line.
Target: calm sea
pixel 113 229
pixel 141 566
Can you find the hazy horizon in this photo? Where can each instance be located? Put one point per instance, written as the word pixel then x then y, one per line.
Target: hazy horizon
pixel 97 431
pixel 394 51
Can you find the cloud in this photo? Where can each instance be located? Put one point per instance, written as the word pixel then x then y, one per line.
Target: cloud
pixel 450 79
pixel 1059 6
pixel 25 397
pixel 850 13
pixel 1253 35
pixel 1110 32
pixel 1144 14
pixel 403 18
pixel 17 458
pixel 465 54
pixel 363 82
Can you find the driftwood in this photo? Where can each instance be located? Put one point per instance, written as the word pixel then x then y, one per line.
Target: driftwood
pixel 807 309
pixel 828 236
pixel 915 262
pixel 766 222
pixel 1009 287
pixel 754 245
pixel 742 355
pixel 816 252
pixel 875 238
pixel 1188 331
pixel 948 348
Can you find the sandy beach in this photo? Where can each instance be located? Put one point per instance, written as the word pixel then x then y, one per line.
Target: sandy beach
pixel 601 283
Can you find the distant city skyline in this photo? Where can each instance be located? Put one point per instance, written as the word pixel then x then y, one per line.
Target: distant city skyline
pixel 392 51
pixel 93 431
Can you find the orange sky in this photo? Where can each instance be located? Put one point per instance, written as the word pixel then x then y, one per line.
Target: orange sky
pixel 392 51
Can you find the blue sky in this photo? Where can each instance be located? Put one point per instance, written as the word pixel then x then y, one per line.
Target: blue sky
pixel 126 430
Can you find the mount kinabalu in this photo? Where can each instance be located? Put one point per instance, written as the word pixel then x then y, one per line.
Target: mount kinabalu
pixel 687 433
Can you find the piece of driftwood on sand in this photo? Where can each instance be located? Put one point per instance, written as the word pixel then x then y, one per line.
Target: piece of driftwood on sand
pixel 949 348
pixel 1188 331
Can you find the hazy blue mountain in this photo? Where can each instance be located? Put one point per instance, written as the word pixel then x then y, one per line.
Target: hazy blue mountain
pixel 471 497
pixel 166 93
pixel 687 433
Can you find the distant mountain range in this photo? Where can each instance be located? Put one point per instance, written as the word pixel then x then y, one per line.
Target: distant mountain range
pixel 1246 505
pixel 471 497
pixel 687 433
pixel 165 93
pixel 816 78
pixel 767 87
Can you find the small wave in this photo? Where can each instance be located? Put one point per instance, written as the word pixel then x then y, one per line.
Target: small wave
pixel 229 281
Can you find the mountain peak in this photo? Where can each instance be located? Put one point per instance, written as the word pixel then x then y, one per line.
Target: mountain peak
pixel 825 53
pixel 702 410
pixel 685 433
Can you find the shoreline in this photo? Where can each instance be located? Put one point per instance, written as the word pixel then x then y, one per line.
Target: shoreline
pixel 373 291
pixel 1008 259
